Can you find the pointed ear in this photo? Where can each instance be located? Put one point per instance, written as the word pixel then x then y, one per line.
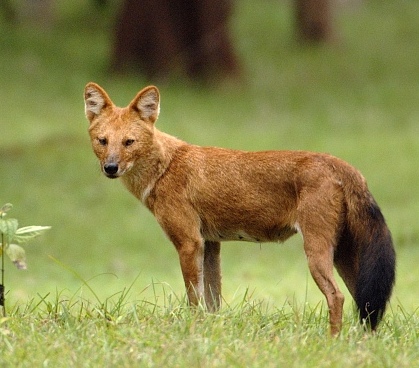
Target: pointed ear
pixel 95 100
pixel 147 103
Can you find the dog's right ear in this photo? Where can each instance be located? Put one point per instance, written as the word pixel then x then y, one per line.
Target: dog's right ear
pixel 95 100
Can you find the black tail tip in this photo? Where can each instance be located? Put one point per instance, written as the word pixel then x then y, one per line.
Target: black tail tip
pixel 370 318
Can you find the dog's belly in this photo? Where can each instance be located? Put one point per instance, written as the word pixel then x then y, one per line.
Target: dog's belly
pixel 274 234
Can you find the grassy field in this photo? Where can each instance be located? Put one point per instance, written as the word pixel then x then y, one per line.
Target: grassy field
pixel 104 288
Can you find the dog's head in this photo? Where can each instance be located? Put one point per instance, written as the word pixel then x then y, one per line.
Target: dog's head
pixel 121 136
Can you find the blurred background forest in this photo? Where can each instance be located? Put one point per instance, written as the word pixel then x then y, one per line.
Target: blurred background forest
pixel 337 76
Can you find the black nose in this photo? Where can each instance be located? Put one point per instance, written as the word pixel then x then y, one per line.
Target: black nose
pixel 110 169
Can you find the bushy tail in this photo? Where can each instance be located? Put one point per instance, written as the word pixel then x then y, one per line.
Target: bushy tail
pixel 376 261
pixel 365 256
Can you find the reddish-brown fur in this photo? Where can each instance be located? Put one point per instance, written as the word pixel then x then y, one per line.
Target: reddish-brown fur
pixel 202 196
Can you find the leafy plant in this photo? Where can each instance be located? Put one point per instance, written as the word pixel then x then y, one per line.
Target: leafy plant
pixel 10 232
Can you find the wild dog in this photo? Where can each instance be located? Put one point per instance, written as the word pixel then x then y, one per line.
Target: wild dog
pixel 202 196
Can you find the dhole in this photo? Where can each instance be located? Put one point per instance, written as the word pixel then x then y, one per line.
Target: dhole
pixel 202 196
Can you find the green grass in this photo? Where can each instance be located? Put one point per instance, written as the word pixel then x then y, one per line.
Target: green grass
pixel 73 332
pixel 356 99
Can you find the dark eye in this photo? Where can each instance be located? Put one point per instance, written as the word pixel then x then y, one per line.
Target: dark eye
pixel 128 142
pixel 102 141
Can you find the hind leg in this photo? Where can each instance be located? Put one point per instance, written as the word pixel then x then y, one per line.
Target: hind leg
pixel 212 275
pixel 320 262
pixel 320 218
pixel 346 263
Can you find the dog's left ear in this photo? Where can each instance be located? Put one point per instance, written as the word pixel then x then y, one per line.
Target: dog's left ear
pixel 95 100
pixel 147 103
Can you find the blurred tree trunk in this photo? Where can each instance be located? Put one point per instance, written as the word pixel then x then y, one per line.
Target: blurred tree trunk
pixel 8 11
pixel 162 36
pixel 39 12
pixel 313 20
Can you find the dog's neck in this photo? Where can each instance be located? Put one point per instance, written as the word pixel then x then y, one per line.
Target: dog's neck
pixel 141 179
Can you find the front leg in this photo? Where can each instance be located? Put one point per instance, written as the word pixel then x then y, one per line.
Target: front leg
pixel 212 275
pixel 191 256
pixel 182 225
